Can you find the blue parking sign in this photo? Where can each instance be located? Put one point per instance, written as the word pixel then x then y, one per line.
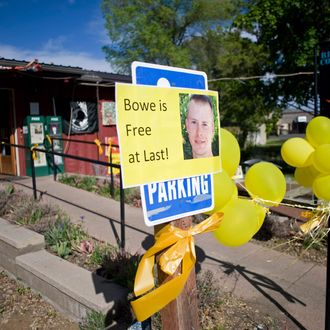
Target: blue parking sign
pixel 170 200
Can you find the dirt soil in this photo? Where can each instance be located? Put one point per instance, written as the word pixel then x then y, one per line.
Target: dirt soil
pixel 20 308
pixel 294 248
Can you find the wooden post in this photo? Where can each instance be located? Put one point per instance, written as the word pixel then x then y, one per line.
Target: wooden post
pixel 181 313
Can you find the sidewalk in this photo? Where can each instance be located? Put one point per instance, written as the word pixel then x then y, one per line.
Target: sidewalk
pixel 281 285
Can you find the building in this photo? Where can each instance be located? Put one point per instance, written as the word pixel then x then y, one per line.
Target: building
pixel 293 122
pixel 81 97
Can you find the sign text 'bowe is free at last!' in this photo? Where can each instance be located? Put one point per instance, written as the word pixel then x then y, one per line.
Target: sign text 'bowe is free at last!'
pixel 166 133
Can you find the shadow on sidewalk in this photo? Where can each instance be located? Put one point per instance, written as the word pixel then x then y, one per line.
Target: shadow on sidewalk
pixel 258 281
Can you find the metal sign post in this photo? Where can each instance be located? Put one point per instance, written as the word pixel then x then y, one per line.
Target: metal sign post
pixel 182 313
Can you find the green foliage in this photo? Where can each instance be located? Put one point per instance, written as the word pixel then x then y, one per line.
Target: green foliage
pixel 121 266
pixel 209 300
pixel 22 290
pixel 158 31
pixel 199 34
pixel 63 236
pixel 10 189
pixel 104 190
pixel 316 240
pixel 208 293
pixel 62 249
pixel 31 212
pixel 93 321
pixel 243 103
pixel 289 30
pixel 195 34
pixel 68 179
pixel 88 183
pixel 99 254
pixel 6 195
pixel 36 215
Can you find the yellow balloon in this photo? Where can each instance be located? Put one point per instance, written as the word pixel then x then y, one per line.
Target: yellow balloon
pixel 230 152
pixel 266 181
pixel 321 158
pixel 297 152
pixel 239 223
pixel 261 211
pixel 224 190
pixel 321 187
pixel 317 131
pixel 306 175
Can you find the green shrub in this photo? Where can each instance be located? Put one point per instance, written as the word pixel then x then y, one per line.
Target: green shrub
pixel 88 183
pixel 62 249
pixel 63 236
pixel 30 212
pixel 93 321
pixel 70 180
pixel 209 294
pixel 5 196
pixel 100 253
pixel 121 267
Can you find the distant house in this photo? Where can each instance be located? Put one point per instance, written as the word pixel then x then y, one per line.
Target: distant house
pixel 83 98
pixel 293 122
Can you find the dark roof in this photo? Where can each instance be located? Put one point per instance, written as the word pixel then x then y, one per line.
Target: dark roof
pixel 61 71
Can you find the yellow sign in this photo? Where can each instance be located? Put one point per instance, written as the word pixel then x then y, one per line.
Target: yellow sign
pixel 166 133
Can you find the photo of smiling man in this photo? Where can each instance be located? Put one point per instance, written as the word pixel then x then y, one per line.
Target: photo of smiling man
pixel 198 118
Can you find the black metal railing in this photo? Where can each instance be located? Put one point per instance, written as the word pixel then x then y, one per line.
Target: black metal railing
pixel 53 153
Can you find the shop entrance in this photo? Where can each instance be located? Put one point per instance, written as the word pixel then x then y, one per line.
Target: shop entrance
pixel 7 154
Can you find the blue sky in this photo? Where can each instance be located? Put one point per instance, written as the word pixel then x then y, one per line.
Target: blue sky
pixel 64 32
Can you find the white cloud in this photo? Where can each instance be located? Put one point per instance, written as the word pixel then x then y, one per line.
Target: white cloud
pixel 55 43
pixel 52 53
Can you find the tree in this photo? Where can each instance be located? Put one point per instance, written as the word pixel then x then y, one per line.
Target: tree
pixel 194 34
pixel 225 56
pixel 157 31
pixel 289 30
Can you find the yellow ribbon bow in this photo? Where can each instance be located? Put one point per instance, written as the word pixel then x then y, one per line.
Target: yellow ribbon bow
pixel 181 249
pixel 34 153
pixel 49 139
pixel 98 143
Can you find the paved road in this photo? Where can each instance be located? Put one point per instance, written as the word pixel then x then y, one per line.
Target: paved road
pixel 274 282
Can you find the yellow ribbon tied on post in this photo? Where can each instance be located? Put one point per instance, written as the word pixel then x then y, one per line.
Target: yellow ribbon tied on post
pixel 49 139
pixel 34 152
pixel 98 143
pixel 181 248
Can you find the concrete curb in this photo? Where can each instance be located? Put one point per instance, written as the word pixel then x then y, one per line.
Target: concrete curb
pixel 15 241
pixel 71 289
